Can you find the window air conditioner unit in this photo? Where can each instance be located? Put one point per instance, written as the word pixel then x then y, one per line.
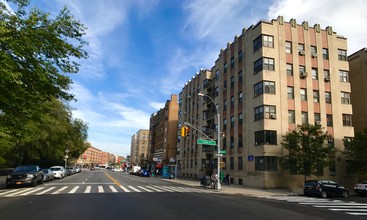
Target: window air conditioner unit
pixel 303 75
pixel 318 122
pixel 327 79
pixel 301 52
pixel 273 116
pixel 314 55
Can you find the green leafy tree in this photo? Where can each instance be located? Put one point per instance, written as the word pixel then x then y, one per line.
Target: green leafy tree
pixel 356 151
pixel 308 154
pixel 36 53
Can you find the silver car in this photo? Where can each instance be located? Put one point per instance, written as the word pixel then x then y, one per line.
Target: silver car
pixel 59 171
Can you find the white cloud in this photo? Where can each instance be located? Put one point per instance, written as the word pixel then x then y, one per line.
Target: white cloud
pixel 157 105
pixel 346 18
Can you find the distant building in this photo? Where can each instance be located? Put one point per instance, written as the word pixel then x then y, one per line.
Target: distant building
pixel 358 81
pixel 139 147
pixel 91 156
pixel 163 134
pixel 273 77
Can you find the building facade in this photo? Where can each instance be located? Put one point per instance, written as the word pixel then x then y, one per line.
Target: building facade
pixel 273 77
pixel 92 156
pixel 163 134
pixel 139 148
pixel 358 80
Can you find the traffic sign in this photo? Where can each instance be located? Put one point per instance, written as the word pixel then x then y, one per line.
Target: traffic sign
pixel 219 155
pixel 207 142
pixel 223 151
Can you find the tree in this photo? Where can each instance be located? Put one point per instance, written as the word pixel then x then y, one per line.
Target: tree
pixel 36 53
pixel 356 151
pixel 308 154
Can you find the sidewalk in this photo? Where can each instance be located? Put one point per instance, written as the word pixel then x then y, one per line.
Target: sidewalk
pixel 238 190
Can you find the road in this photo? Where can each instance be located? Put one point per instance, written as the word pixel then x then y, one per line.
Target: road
pixel 107 195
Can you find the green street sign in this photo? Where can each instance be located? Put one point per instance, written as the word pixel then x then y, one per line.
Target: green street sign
pixel 207 142
pixel 222 151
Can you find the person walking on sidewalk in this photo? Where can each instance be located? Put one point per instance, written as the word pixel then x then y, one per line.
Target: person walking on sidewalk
pixel 214 178
pixel 226 179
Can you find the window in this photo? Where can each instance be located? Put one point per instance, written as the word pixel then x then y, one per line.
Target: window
pixel 258 89
pixel 291 117
pixel 326 75
pixel 314 74
pixel 225 105
pixel 329 120
pixel 303 93
pixel 313 51
pixel 240 55
pixel 289 69
pixel 264 64
pixel 268 41
pixel 302 69
pixel 240 77
pixel 327 97
pixel 269 87
pixel 225 67
pixel 288 47
pixel 225 85
pixel 264 87
pixel 325 53
pixel 232 101
pixel 317 117
pixel 216 91
pixel 301 49
pixel 240 163
pixel 347 140
pixel 232 121
pixel 263 40
pixel 345 96
pixel 343 76
pixel 268 64
pixel 342 55
pixel 258 65
pixel 259 113
pixel 304 117
pixel 316 97
pixel 263 163
pixel 232 142
pixel 257 43
pixel 217 72
pixel 240 97
pixel 347 120
pixel 231 163
pixel 240 140
pixel 232 81
pixel 232 62
pixel 290 93
pixel 265 137
pixel 240 118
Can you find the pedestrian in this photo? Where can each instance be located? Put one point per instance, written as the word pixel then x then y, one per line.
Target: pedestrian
pixel 214 178
pixel 226 180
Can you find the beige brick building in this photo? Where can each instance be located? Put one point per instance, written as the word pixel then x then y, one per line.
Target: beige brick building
pixel 273 77
pixel 358 80
pixel 139 147
pixel 163 134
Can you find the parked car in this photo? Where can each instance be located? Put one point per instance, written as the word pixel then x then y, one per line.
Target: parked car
pixel 25 175
pixel 78 170
pixel 59 171
pixel 144 173
pixel 70 171
pixel 361 188
pixel 325 188
pixel 48 175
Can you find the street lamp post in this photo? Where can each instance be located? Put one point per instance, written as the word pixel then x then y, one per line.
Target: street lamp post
pixel 218 136
pixel 66 157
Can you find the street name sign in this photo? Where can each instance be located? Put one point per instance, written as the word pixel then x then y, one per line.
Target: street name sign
pixel 207 142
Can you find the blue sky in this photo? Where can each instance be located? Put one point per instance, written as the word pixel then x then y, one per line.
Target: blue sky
pixel 142 51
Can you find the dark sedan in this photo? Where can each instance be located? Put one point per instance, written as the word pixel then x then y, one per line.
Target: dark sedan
pixel 25 175
pixel 325 188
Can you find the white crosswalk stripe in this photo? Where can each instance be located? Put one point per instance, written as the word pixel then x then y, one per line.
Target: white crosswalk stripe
pixel 351 208
pixel 105 188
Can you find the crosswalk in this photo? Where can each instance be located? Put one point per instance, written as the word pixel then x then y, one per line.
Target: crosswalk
pixel 103 188
pixel 351 208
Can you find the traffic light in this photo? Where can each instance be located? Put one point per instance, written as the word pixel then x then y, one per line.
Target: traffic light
pixel 185 131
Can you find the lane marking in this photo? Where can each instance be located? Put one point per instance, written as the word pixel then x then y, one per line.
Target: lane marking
pixel 18 192
pixel 113 180
pixel 113 189
pixel 135 189
pixel 74 189
pixel 143 188
pixel 100 189
pixel 45 191
pixel 123 188
pixel 87 190
pixel 59 190
pixel 35 190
